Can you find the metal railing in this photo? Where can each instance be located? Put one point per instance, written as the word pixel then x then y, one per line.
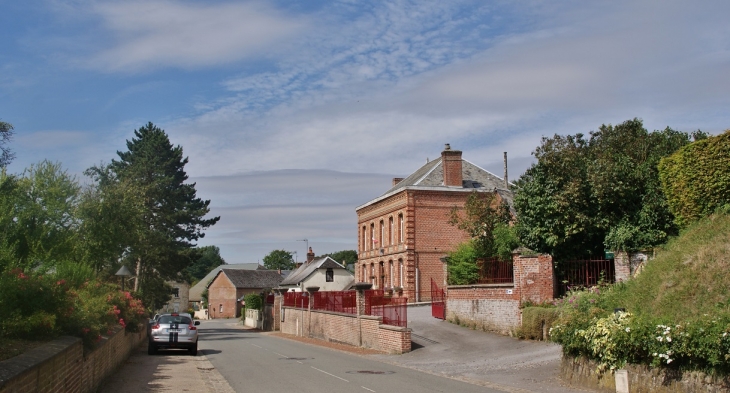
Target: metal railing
pixel 584 273
pixel 296 299
pixel 393 310
pixel 336 301
pixel 496 271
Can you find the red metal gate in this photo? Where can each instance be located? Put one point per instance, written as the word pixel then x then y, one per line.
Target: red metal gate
pixel 438 305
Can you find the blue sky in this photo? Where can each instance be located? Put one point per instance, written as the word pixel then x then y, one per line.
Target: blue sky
pixel 294 113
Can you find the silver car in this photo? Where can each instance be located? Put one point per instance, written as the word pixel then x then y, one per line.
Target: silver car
pixel 173 331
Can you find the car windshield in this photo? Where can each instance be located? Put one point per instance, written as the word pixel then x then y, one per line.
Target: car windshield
pixel 165 319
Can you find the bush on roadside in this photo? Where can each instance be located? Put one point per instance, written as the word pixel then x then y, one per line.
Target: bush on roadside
pixel 534 319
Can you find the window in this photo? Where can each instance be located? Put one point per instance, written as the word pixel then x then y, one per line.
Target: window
pixel 400 231
pixel 400 262
pixel 372 237
pixel 329 275
pixel 382 232
pixel 176 292
pixel 364 245
pixel 390 272
pixel 221 309
pixel 390 231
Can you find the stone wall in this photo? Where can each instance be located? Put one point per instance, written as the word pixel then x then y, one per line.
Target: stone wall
pixel 496 307
pixel 364 331
pixel 60 366
pixel 581 372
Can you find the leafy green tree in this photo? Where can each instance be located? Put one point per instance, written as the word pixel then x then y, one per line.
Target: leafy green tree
pixel 482 213
pixel 205 259
pixel 167 216
pixel 585 195
pixel 461 264
pixel 279 259
pixel 37 216
pixel 345 257
pixel 6 134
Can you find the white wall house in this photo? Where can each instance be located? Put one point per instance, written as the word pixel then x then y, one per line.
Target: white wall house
pixel 325 273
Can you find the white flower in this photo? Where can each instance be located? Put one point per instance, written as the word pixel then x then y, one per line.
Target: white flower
pixel 669 361
pixel 724 334
pixel 669 339
pixel 628 330
pixel 660 338
pixel 655 354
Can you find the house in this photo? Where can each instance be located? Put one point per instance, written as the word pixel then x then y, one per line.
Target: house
pixel 196 291
pixel 404 233
pixel 325 273
pixel 179 299
pixel 229 286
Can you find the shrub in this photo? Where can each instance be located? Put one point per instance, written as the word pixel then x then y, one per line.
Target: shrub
pixel 253 301
pixel 534 319
pixel 462 265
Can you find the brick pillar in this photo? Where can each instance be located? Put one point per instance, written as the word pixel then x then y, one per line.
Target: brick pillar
pixel 451 164
pixel 622 266
pixel 533 277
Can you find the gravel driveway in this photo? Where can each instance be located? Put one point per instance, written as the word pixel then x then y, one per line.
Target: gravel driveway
pixel 487 359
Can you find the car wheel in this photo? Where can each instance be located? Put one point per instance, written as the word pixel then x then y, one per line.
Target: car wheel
pixel 194 349
pixel 151 349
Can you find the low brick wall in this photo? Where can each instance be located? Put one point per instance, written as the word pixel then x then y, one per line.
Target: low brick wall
pixel 60 366
pixel 496 307
pixel 581 372
pixel 366 331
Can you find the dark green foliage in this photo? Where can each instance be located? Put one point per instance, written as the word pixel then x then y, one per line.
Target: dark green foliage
pixel 254 301
pixel 482 213
pixel 696 179
pixel 279 259
pixel 205 259
pixel 345 257
pixel 6 134
pixel 585 195
pixel 462 266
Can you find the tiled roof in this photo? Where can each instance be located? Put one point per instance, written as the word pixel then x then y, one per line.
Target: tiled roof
pixel 252 278
pixel 307 269
pixel 196 291
pixel 431 176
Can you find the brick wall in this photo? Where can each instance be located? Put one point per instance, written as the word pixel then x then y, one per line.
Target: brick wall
pixel 496 307
pixel 60 366
pixel 222 292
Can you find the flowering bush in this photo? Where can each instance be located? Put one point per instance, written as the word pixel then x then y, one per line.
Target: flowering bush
pixel 41 306
pixel 616 338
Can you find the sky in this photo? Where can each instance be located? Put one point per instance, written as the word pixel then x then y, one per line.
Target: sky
pixel 294 113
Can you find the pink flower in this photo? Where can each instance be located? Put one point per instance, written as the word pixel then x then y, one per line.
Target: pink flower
pixel 121 322
pixel 85 330
pixel 127 295
pixel 60 282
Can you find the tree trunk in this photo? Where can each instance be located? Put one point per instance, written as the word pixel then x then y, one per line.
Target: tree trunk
pixel 136 277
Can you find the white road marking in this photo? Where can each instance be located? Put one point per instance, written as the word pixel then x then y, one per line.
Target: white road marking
pixel 257 346
pixel 284 356
pixel 299 362
pixel 331 375
pixel 370 390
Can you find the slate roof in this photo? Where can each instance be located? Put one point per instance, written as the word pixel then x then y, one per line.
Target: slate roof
pixel 431 177
pixel 251 278
pixel 196 291
pixel 307 269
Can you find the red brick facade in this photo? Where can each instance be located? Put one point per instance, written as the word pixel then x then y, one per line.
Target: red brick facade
pixel 402 236
pixel 223 295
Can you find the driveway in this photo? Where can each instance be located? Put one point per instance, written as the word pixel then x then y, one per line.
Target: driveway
pixel 487 359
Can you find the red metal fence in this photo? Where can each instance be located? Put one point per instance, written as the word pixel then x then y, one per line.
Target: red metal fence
pixel 584 273
pixel 496 271
pixel 336 301
pixel 296 299
pixel 393 310
pixel 438 305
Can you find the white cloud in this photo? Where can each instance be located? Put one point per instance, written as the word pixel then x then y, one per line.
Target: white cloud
pixel 157 34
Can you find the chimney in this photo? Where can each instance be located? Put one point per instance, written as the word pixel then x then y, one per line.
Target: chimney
pixel 397 180
pixel 310 255
pixel 451 162
pixel 506 182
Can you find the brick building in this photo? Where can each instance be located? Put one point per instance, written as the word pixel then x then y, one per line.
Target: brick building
pixel 404 233
pixel 229 286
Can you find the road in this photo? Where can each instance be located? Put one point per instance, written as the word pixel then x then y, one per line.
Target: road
pixel 253 362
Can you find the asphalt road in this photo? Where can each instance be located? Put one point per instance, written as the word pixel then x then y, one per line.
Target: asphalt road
pixel 256 362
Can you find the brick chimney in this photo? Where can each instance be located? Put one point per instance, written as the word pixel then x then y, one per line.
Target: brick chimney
pixel 397 180
pixel 451 162
pixel 310 255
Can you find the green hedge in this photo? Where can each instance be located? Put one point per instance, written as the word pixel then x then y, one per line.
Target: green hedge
pixel 696 179
pixel 533 320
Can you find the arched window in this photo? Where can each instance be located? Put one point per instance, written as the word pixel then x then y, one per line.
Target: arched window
pixel 382 233
pixel 390 231
pixel 364 245
pixel 372 236
pixel 400 230
pixel 390 273
pixel 400 266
